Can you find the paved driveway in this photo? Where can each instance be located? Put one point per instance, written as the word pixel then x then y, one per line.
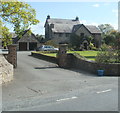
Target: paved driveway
pixel 37 82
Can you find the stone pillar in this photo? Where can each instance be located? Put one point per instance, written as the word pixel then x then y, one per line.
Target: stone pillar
pixel 62 55
pixel 27 46
pixel 12 55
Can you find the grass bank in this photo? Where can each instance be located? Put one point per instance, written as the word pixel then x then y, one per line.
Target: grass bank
pixel 90 55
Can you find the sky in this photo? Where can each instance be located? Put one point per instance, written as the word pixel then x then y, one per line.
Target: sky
pixel 89 13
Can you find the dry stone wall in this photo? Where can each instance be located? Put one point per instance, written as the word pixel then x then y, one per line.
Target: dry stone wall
pixel 6 70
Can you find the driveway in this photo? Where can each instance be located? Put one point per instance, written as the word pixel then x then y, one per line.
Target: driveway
pixel 38 83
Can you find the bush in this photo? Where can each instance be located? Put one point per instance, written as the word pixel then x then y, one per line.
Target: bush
pixel 92 47
pixel 51 42
pixel 104 47
pixel 107 57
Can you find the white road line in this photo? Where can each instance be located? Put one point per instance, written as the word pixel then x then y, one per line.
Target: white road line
pixel 65 99
pixel 104 91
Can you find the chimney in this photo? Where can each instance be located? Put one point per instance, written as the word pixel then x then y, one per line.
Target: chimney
pixel 48 17
pixel 77 18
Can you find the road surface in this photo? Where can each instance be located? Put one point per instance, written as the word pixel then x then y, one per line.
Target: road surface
pixel 42 86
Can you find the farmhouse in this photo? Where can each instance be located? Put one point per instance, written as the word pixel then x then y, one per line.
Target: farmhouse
pixel 60 30
pixel 88 30
pixel 28 41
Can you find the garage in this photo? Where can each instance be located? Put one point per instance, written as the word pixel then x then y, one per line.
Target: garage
pixel 27 41
pixel 32 45
pixel 23 46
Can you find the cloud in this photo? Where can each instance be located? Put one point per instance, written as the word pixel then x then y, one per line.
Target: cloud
pixel 96 5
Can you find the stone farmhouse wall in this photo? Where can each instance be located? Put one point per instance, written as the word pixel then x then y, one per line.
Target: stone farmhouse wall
pixel 83 30
pixel 61 39
pixel 97 37
pixel 6 70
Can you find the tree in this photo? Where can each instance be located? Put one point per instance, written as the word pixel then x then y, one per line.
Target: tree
pixel 112 38
pixel 6 36
pixel 19 14
pixel 39 37
pixel 105 28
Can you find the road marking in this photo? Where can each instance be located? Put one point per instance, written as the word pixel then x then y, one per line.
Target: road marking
pixel 104 91
pixel 65 99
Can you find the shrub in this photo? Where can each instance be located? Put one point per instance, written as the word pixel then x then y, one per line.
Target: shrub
pixel 92 47
pixel 104 47
pixel 51 42
pixel 107 57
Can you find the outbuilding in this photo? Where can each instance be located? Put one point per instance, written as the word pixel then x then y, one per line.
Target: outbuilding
pixel 28 41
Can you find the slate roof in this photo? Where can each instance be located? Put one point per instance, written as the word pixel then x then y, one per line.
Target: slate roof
pixel 69 26
pixel 62 25
pixel 23 33
pixel 63 21
pixel 76 27
pixel 92 29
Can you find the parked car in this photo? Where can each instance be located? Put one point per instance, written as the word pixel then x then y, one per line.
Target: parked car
pixel 46 48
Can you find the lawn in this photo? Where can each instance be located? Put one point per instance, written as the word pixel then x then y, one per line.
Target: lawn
pixel 87 54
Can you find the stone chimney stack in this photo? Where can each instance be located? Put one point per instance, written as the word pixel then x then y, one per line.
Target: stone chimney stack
pixel 77 18
pixel 48 17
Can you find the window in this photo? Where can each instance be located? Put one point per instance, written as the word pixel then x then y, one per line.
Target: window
pixel 60 34
pixel 67 34
pixel 82 34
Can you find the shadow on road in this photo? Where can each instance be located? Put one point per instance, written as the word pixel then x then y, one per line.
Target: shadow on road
pixel 46 67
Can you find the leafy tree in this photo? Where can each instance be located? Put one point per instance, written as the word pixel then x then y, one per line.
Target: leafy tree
pixel 105 28
pixel 6 36
pixel 112 38
pixel 19 14
pixel 40 37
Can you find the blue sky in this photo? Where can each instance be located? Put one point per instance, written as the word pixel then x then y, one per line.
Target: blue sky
pixel 90 13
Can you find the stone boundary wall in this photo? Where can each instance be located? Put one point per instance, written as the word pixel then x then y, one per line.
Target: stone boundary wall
pixel 92 66
pixel 44 57
pixel 6 70
pixel 74 61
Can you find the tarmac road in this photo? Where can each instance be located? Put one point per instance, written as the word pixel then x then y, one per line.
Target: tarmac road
pixel 41 85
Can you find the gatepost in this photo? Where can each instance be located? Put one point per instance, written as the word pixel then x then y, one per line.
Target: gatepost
pixel 62 55
pixel 12 55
